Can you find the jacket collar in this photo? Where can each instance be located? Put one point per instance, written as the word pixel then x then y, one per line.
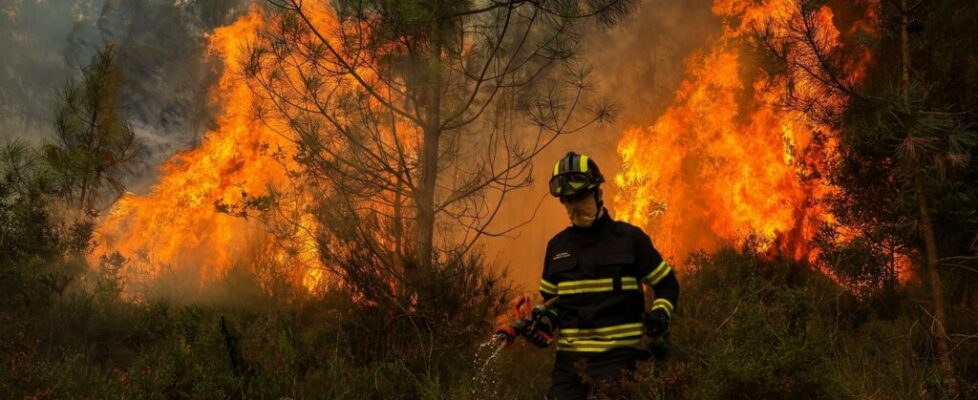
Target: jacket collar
pixel 599 224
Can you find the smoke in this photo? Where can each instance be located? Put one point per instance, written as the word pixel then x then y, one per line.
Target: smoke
pixel 159 46
pixel 34 37
pixel 638 65
pixel 639 62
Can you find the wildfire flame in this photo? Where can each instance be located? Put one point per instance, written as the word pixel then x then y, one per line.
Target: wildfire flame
pixel 177 225
pixel 724 162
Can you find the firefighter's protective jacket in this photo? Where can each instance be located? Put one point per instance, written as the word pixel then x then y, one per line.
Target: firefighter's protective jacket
pixel 598 273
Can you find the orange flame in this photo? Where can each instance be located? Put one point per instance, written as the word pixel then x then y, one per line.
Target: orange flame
pixel 177 225
pixel 724 162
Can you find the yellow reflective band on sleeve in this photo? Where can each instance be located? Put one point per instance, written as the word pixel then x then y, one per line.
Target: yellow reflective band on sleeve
pixel 547 287
pixel 583 163
pixel 595 285
pixel 663 304
pixel 594 346
pixel 657 274
pixel 556 168
pixel 608 332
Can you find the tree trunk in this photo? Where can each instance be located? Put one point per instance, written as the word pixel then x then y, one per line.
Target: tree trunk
pixel 927 229
pixel 905 51
pixel 398 227
pixel 426 196
pixel 936 292
pixel 425 218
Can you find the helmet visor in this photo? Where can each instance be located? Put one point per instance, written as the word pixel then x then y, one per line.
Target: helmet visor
pixel 570 183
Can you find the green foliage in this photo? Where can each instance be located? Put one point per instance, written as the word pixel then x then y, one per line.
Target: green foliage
pixel 751 328
pixel 95 146
pixel 40 246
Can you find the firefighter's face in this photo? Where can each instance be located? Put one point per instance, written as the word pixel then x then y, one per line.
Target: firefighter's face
pixel 582 210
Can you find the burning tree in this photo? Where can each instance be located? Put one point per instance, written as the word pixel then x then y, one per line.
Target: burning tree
pixel 725 162
pixel 407 114
pixel 411 122
pixel 903 145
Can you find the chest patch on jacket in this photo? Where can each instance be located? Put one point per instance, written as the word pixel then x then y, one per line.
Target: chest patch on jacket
pixel 559 256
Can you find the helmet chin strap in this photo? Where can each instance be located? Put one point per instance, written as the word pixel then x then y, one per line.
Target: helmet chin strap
pixel 599 202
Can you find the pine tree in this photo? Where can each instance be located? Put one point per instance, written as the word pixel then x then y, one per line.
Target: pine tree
pixel 95 146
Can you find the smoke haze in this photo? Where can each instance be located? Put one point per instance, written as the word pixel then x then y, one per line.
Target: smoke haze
pixel 638 65
pixel 159 46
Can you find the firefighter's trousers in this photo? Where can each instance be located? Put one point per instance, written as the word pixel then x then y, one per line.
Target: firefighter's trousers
pixel 576 378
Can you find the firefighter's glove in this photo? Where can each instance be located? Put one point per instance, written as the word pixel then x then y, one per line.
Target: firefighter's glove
pixel 657 329
pixel 656 323
pixel 541 332
pixel 539 339
pixel 659 346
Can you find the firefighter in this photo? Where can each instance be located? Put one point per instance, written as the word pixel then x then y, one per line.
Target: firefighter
pixel 597 267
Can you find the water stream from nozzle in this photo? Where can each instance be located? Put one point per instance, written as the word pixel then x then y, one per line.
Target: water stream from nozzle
pixel 500 342
pixel 483 380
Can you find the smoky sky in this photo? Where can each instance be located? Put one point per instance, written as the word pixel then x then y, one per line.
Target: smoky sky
pixel 639 62
pixel 36 38
pixel 159 47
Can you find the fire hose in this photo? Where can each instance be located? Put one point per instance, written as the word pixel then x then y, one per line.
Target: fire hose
pixel 523 320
